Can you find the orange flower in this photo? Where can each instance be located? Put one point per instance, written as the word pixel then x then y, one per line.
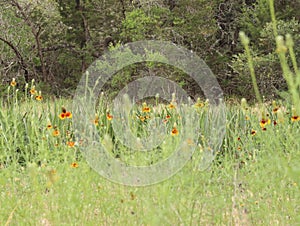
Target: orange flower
pixel 109 116
pixel 68 114
pixel 168 116
pixel 13 82
pixel 174 131
pixel 32 91
pixel 74 165
pixel 39 97
pixel 71 144
pixel 65 114
pixel 55 133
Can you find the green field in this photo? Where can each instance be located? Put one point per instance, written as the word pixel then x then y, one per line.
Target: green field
pixel 45 178
pixel 254 179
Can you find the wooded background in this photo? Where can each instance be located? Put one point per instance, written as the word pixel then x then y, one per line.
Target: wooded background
pixel 54 41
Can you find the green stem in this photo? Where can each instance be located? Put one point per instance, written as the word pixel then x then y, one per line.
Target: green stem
pixel 273 17
pixel 245 42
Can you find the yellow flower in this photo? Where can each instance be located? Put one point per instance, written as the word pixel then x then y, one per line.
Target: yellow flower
pixel 171 106
pixel 109 116
pixel 49 126
pixel 55 133
pixel 264 122
pixel 253 132
pixel 145 108
pixel 74 165
pixel 199 103
pixel 39 97
pixel 13 82
pixel 295 118
pixel 174 131
pixel 96 120
pixel 32 91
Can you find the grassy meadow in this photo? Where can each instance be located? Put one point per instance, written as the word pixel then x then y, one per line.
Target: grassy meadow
pixel 254 179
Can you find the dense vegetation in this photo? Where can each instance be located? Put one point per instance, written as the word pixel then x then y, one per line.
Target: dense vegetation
pixel 55 41
pixel 244 166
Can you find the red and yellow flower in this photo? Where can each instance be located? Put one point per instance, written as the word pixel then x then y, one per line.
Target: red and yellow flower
pixel 13 82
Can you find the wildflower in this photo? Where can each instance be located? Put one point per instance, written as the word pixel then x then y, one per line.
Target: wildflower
pixel 274 123
pixel 96 120
pixel 199 103
pixel 68 114
pixel 62 116
pixel 253 132
pixel 146 108
pixel 49 126
pixel 171 106
pixel 264 128
pixel 238 138
pixel 295 118
pixel 65 114
pixel 71 144
pixel 109 116
pixel 168 116
pixel 247 117
pixel 275 110
pixel 55 133
pixel 142 118
pixel 264 122
pixel 174 131
pixel 32 91
pixel 39 97
pixel 275 106
pixel 13 82
pixel 74 165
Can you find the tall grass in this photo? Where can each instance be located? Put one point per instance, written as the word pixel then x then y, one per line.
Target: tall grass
pixel 254 179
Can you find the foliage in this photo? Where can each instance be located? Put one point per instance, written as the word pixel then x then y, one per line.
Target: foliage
pixel 54 42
